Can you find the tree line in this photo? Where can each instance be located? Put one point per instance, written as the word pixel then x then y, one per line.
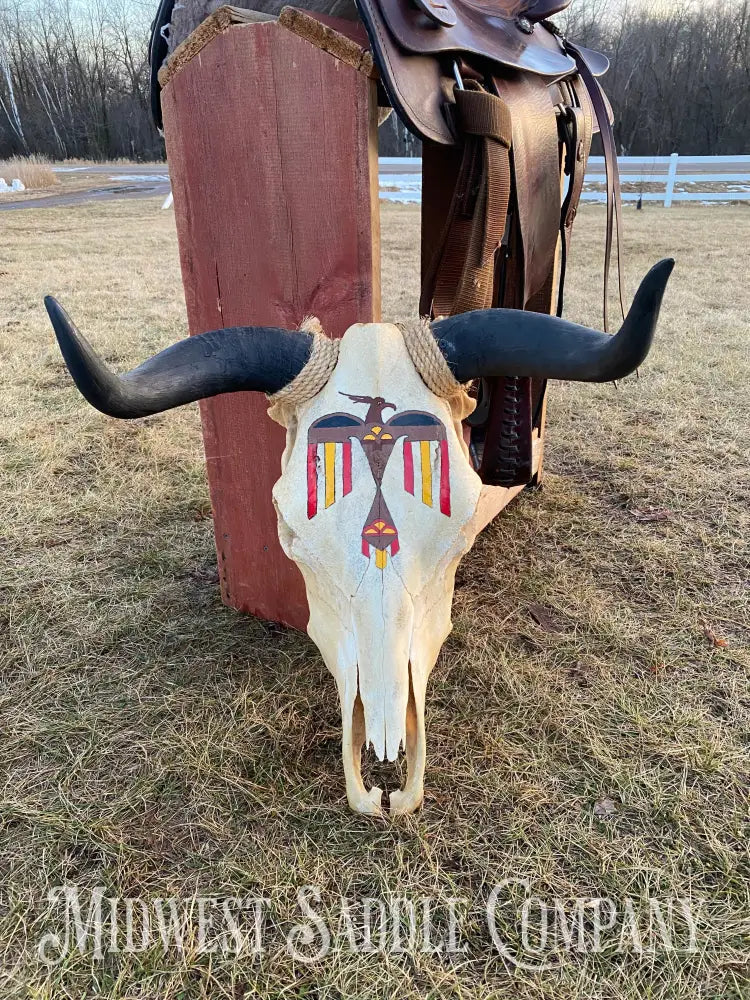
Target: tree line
pixel 74 79
pixel 679 79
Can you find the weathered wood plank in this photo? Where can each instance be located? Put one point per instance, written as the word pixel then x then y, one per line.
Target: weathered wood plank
pixel 190 14
pixel 273 157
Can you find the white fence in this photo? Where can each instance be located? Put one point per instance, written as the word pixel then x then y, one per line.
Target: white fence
pixel 673 173
pixel 401 178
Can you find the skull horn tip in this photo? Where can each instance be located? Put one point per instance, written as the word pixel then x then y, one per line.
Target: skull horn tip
pixel 512 342
pixel 629 348
pixel 94 381
pixel 232 359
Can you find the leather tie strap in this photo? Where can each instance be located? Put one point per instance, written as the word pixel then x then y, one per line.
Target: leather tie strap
pixel 462 273
pixel 614 215
pixel 579 132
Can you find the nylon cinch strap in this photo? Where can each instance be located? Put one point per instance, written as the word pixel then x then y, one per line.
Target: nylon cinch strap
pixel 462 273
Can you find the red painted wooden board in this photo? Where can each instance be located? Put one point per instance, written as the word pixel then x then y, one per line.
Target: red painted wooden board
pixel 272 151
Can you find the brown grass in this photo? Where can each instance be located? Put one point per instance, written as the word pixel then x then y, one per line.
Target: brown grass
pixel 155 742
pixel 118 161
pixel 34 171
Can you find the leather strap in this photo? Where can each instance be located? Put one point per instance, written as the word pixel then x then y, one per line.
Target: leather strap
pixel 461 275
pixel 536 169
pixel 614 214
pixel 578 129
pixel 529 270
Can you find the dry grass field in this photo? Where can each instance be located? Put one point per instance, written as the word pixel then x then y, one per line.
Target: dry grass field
pixel 157 744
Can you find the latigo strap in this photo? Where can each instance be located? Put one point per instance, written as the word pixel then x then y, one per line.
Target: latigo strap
pixel 602 112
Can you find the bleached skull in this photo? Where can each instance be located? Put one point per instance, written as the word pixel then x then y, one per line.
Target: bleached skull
pixel 377 500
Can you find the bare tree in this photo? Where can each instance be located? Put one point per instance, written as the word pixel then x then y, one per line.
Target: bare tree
pixel 74 78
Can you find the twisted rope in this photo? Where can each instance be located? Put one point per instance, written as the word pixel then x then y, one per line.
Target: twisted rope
pixel 423 350
pixel 429 361
pixel 318 368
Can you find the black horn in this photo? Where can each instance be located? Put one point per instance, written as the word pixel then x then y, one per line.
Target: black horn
pixel 494 342
pixel 257 358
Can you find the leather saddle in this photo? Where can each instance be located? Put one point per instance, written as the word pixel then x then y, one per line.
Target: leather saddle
pixel 428 51
pixel 506 108
pixel 419 46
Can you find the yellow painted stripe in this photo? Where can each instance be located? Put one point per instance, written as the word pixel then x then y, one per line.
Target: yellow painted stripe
pixel 330 462
pixel 381 558
pixel 424 451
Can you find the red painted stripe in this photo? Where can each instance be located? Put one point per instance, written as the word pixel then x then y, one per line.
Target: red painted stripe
pixel 408 468
pixel 347 469
pixel 394 546
pixel 312 480
pixel 365 549
pixel 445 480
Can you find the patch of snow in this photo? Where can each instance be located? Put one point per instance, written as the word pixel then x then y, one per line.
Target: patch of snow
pixel 145 178
pixel 17 185
pixel 402 188
pixel 402 197
pixel 401 180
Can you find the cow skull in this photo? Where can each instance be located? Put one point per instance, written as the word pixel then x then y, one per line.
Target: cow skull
pixel 377 499
pixel 378 531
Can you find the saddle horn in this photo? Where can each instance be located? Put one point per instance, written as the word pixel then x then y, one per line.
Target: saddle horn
pixel 259 358
pixel 496 342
